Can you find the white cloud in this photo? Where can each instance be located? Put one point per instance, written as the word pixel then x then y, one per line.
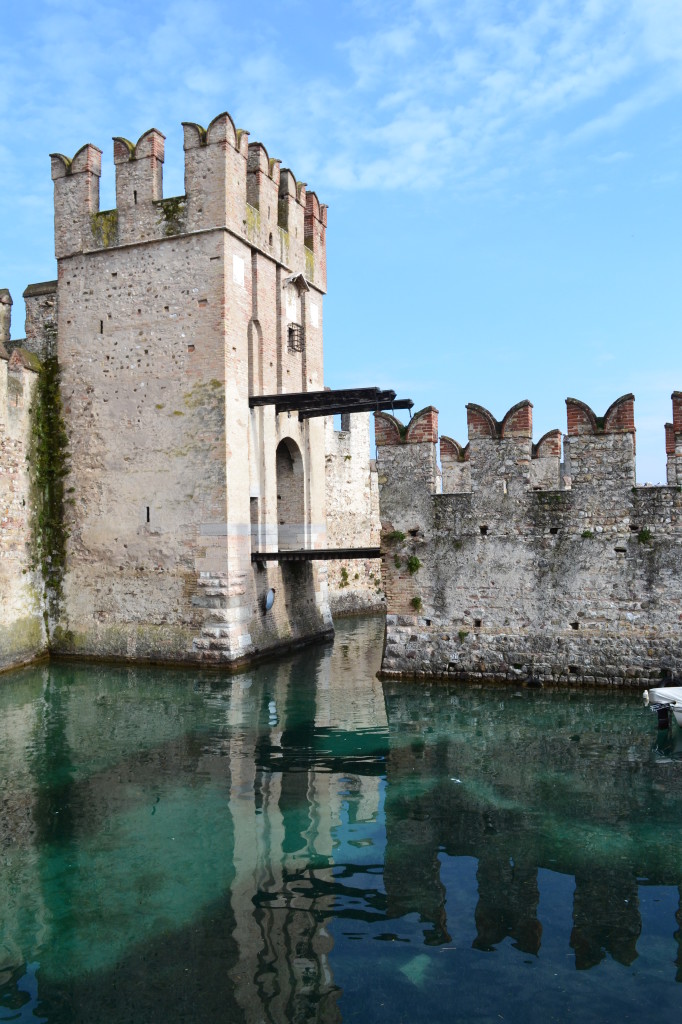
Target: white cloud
pixel 417 93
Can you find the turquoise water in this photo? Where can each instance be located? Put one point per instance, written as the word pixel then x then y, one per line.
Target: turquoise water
pixel 304 843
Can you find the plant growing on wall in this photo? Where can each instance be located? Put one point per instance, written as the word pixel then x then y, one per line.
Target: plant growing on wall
pixel 48 466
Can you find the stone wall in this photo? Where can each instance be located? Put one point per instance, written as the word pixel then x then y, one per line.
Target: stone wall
pixel 352 500
pixel 171 313
pixel 22 635
pixel 578 582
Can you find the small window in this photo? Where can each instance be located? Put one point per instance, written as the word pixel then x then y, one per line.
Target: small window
pixel 484 531
pixel 295 337
pixel 147 513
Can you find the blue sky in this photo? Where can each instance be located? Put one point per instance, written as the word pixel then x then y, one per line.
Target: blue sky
pixel 504 179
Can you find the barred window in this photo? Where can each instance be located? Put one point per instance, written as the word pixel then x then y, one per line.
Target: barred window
pixel 295 337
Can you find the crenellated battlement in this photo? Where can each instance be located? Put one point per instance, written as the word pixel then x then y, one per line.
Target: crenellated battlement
pixel 18 370
pixel 673 442
pixel 230 184
pixel 522 568
pixel 500 454
pixel 454 461
pixel 422 428
pixel 600 447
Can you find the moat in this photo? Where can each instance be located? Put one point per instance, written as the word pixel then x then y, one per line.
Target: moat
pixel 302 842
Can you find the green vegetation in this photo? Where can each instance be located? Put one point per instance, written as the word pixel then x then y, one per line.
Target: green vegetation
pixel 252 220
pixel 587 534
pixel 171 214
pixel 309 264
pixel 413 565
pixel 644 536
pixel 394 537
pixel 463 634
pixel 104 227
pixel 48 460
pixel 416 603
pixel 396 561
pixel 344 577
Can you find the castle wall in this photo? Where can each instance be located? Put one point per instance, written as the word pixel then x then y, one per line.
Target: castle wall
pixel 352 499
pixel 509 581
pixel 171 312
pixel 22 635
pixel 41 319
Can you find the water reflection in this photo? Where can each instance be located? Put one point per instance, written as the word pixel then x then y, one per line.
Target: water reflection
pixel 288 844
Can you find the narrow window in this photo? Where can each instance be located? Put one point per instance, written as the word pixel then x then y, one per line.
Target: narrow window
pixel 135 197
pixel 101 327
pixel 147 513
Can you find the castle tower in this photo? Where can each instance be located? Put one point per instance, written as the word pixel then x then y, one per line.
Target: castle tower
pixel 172 312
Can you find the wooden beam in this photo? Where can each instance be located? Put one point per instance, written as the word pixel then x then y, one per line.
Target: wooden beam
pixel 398 403
pixel 298 399
pixel 314 554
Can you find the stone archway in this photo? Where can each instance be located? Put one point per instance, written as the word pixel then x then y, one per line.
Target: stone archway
pixel 291 530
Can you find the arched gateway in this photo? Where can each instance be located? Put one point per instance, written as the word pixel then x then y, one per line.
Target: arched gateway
pixel 291 529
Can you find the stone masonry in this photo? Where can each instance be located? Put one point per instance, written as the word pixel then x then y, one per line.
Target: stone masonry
pixel 166 316
pixel 352 515
pixel 530 569
pixel 22 632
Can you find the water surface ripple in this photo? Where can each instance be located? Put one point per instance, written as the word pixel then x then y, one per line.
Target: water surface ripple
pixel 303 843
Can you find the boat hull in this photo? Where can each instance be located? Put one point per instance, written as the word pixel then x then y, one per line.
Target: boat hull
pixel 670 695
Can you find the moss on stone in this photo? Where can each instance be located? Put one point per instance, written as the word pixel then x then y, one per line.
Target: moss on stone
pixel 309 264
pixel 48 459
pixel 21 640
pixel 252 221
pixel 284 244
pixel 172 214
pixel 104 227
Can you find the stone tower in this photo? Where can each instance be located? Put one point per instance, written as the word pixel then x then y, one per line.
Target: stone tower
pixel 171 313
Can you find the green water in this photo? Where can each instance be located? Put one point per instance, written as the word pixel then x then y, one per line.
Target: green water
pixel 304 843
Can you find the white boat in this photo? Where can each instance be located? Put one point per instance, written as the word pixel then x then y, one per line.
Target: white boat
pixel 667 698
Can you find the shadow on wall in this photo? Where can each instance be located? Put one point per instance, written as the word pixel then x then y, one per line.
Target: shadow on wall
pixel 290 496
